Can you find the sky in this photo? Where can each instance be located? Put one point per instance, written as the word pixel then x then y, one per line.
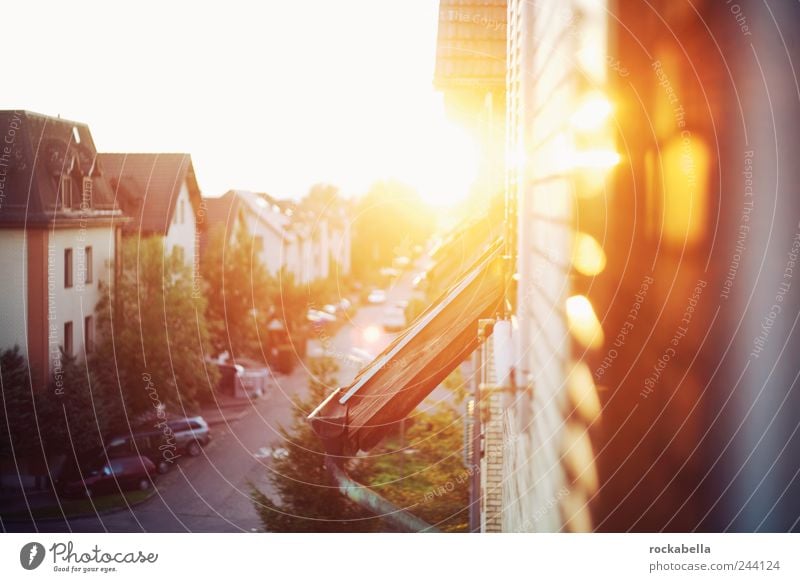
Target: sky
pixel 269 96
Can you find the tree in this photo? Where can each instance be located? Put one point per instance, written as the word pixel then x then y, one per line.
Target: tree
pixel 309 499
pixel 421 469
pixel 388 222
pixel 18 432
pixel 321 198
pixel 78 410
pixel 240 294
pixel 153 339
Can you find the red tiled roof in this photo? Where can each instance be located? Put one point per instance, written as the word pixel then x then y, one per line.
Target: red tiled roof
pixel 147 187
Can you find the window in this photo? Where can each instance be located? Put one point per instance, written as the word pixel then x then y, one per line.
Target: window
pixel 68 338
pixel 258 244
pixel 88 334
pixel 67 268
pixel 66 192
pixel 89 265
pixel 183 211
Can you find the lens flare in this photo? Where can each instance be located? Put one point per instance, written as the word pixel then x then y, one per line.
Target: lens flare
pixel 592 113
pixel 588 256
pixel 583 322
pixel 372 334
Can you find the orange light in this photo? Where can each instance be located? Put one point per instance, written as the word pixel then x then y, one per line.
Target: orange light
pixel 578 456
pixel 583 322
pixel 372 334
pixel 592 113
pixel 599 159
pixel 686 162
pixel 583 393
pixel 588 256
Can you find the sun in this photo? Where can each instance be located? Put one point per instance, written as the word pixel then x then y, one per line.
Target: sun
pixel 438 158
pixel 452 164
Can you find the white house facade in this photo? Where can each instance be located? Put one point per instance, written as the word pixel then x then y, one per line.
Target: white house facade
pixel 59 233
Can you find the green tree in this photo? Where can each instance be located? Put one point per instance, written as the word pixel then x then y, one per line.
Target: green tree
pixel 421 470
pixel 240 294
pixel 78 410
pixel 18 433
pixel 309 499
pixel 152 333
pixel 388 221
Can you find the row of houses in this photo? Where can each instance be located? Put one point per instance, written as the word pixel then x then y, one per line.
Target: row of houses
pixel 65 209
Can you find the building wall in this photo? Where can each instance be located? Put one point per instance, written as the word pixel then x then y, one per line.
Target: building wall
pixel 323 250
pixel 306 259
pixel 182 232
pixel 293 256
pixel 75 303
pixel 271 254
pixel 541 489
pixel 340 248
pixel 13 293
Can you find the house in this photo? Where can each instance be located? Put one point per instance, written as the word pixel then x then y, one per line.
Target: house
pixel 340 234
pixel 159 191
pixel 268 224
pixel 59 238
pixel 285 235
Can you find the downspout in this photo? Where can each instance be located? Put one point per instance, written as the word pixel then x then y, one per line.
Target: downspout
pixel 368 499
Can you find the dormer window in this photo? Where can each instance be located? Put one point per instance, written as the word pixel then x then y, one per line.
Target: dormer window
pixel 66 192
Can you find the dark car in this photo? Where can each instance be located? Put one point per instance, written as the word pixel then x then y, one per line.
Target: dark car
pixel 123 473
pixel 163 442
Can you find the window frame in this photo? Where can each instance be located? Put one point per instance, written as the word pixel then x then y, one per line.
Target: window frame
pixel 66 192
pixel 69 340
pixel 88 257
pixel 69 279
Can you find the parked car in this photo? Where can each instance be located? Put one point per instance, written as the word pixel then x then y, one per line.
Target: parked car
pixel 394 319
pixel 180 435
pixel 318 317
pixel 389 272
pixel 377 296
pixel 122 473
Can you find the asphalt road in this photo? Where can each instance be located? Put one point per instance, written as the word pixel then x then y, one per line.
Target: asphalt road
pixel 208 493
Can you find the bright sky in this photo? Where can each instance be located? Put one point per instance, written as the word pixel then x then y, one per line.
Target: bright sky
pixel 270 95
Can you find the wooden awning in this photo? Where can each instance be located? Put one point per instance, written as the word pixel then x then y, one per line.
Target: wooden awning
pixel 356 417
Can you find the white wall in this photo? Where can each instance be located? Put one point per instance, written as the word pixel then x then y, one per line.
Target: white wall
pixel 271 254
pixel 75 303
pixel 13 289
pixel 340 248
pixel 182 232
